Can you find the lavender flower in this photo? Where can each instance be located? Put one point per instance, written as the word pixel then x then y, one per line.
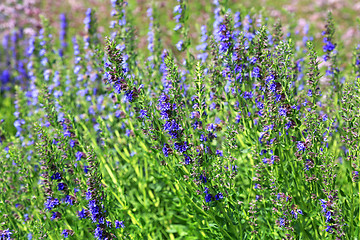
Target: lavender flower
pixel 65 233
pixel 51 203
pixel 119 224
pixel 5 234
pixel 87 20
pixel 300 146
pixel 208 198
pixel 179 45
pixel 225 38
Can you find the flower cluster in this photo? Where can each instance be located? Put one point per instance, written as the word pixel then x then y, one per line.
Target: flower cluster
pixel 233 129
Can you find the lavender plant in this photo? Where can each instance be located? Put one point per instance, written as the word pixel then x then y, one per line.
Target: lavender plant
pixel 229 135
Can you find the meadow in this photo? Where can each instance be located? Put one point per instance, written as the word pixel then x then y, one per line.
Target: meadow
pixel 179 120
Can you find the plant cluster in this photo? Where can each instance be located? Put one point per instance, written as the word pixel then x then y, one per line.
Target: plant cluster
pixel 238 134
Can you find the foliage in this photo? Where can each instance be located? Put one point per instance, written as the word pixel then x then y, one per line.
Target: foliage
pixel 241 134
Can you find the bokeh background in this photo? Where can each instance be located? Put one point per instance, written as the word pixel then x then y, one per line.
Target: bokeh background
pixel 293 14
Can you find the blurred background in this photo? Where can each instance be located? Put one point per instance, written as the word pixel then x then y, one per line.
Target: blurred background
pixel 295 14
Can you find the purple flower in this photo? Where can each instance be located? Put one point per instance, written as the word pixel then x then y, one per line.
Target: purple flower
pixel 203 178
pixel 203 138
pixel 98 233
pixel 225 38
pixel 51 203
pixel 177 27
pixel 55 215
pixel 256 72
pixel 294 213
pixel 219 196
pixel 65 233
pixel 72 143
pixel 309 93
pixel 329 46
pixel 177 9
pixel 5 234
pixel 69 199
pixel 61 186
pixel 101 220
pixel 288 125
pixel 238 118
pixel 328 216
pixel 82 214
pixel 272 87
pixel 328 228
pixel 282 222
pixel 142 113
pixel 181 147
pixel 202 56
pixel 208 198
pixel 129 96
pixel 56 176
pixel 300 146
pixel 248 95
pixel 323 205
pixel 187 159
pixel 79 155
pixel 261 137
pixel 282 112
pixel 259 105
pixel 165 151
pixel 177 17
pixel 179 45
pixel 202 47
pixel 87 20
pixel 88 195
pixel 67 133
pixel 94 210
pixel 119 224
pixel 219 153
pixel 326 58
pixel 109 224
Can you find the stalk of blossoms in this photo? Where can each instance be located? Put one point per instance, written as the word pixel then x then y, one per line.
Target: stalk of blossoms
pixel 277 116
pixel 331 54
pixel 154 39
pixel 350 138
pixel 124 35
pixel 169 108
pixel 218 19
pixel 249 30
pixel 90 28
pixel 202 47
pixel 313 151
pixel 116 73
pixel 151 36
pixel 95 195
pixel 63 34
pixel 313 76
pixel 237 25
pixel 278 34
pixel 181 16
pixel 225 37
